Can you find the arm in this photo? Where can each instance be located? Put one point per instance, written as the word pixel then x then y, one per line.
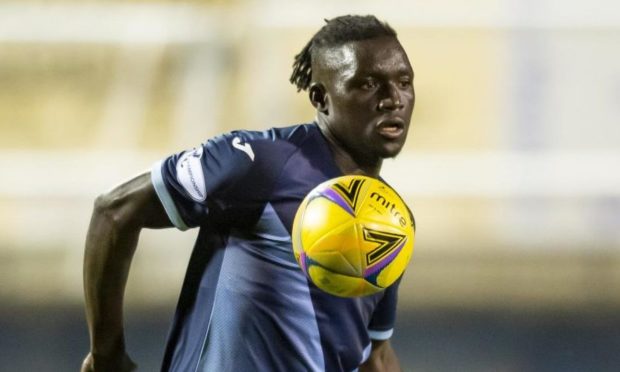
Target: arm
pixel 382 358
pixel 115 225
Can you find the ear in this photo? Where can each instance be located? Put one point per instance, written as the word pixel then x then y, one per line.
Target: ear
pixel 318 97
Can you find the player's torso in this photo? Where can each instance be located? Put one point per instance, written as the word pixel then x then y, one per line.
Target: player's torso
pixel 262 312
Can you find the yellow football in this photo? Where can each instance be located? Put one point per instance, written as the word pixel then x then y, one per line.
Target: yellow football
pixel 353 236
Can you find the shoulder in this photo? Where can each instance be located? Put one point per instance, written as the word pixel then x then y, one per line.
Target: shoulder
pixel 271 140
pixel 276 138
pixel 264 150
pixel 253 156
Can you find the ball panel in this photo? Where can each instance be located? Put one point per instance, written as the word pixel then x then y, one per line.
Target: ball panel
pixel 335 197
pixel 320 216
pixel 383 255
pixel 336 262
pixel 383 205
pixel 340 285
pixel 347 191
pixel 296 240
pixel 338 250
pixel 386 225
pixel 393 269
pixel 381 248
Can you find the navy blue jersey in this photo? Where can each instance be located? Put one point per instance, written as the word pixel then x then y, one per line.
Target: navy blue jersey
pixel 245 304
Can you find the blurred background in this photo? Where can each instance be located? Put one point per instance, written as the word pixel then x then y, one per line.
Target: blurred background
pixel 511 167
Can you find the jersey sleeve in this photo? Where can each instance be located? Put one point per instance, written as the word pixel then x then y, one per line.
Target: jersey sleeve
pixel 219 174
pixel 383 319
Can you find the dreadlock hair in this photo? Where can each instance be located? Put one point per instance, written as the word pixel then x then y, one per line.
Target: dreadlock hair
pixel 336 32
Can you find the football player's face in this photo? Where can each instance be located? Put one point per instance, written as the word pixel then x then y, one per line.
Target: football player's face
pixel 370 97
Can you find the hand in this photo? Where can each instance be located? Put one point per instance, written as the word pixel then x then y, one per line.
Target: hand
pixel 113 363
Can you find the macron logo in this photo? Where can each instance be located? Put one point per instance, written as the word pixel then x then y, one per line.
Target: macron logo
pixel 245 147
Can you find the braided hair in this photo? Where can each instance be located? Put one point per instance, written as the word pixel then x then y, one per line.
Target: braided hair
pixel 336 31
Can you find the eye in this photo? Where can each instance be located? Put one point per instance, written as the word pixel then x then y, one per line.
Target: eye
pixel 369 84
pixel 404 83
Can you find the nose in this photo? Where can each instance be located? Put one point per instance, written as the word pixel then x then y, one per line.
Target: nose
pixel 392 100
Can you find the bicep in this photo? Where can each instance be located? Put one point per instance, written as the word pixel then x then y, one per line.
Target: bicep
pixel 135 202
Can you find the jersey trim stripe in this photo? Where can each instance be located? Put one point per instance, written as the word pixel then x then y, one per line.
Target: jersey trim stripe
pixel 365 356
pixel 164 196
pixel 380 335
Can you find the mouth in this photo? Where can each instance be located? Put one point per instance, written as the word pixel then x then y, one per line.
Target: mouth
pixel 391 128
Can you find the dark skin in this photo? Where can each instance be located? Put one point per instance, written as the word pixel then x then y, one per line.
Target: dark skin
pixel 118 217
pixel 363 93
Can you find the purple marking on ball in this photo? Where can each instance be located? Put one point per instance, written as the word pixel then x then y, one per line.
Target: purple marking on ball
pixel 385 261
pixel 302 262
pixel 333 196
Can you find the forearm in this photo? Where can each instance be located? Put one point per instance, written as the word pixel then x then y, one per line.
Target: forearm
pixel 110 245
pixel 117 220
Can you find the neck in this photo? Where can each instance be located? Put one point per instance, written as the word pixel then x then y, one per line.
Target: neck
pixel 344 158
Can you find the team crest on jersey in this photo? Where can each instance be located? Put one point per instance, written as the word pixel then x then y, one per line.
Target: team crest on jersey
pixel 190 174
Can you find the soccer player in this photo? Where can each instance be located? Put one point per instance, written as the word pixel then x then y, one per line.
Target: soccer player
pixel 245 304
